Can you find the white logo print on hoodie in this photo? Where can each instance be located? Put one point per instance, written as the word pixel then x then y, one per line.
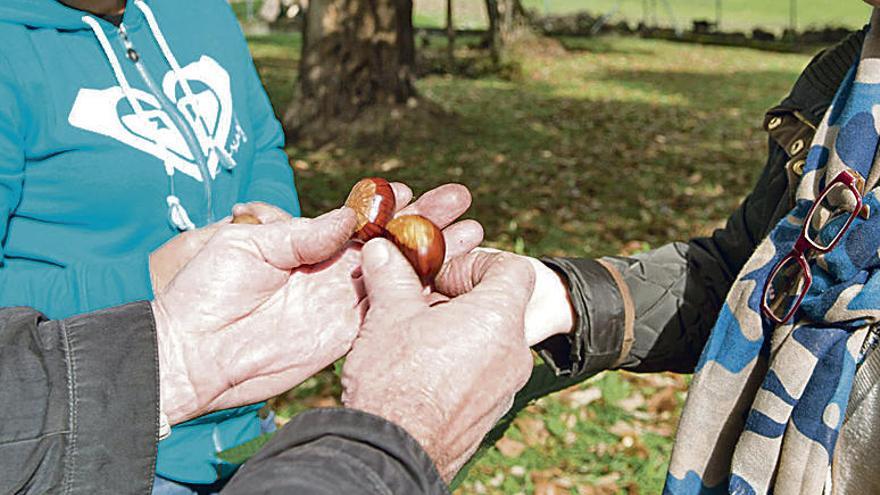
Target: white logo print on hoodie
pixel 152 130
pixel 188 133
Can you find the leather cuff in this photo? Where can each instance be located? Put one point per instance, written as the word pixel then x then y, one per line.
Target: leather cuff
pixel 599 339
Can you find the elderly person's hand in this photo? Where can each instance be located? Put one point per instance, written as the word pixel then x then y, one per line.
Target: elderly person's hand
pixel 442 205
pixel 235 327
pixel 266 306
pixel 445 373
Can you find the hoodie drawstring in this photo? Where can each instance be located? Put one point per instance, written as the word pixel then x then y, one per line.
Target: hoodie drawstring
pixel 114 63
pixel 177 214
pixel 225 158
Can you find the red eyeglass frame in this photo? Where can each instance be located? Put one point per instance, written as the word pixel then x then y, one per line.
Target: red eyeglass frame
pixel 804 244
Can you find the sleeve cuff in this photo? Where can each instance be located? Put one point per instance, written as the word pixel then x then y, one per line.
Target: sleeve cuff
pixel 340 451
pixel 602 336
pixel 114 386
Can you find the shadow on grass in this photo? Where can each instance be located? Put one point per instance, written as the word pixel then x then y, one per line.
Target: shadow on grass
pixel 592 157
pixel 604 45
pixel 746 91
pixel 567 175
pixel 609 169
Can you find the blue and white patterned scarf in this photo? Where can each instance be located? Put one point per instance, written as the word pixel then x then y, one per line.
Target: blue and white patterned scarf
pixel 767 402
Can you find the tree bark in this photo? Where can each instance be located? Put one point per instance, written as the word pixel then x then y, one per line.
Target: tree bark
pixel 356 54
pixel 513 19
pixel 450 36
pixel 494 35
pixel 508 20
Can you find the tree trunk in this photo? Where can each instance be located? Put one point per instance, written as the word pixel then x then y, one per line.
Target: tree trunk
pixel 508 20
pixel 493 40
pixel 450 37
pixel 514 20
pixel 356 54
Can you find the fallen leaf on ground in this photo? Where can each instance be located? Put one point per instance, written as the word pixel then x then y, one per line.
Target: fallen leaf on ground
pixel 632 402
pixel 581 398
pixel 665 400
pixel 510 448
pixel 534 430
pixel 606 485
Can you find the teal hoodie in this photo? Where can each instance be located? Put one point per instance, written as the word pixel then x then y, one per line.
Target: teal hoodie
pixel 112 141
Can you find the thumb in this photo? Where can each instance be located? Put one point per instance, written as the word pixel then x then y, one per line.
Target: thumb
pixel 304 241
pixel 391 283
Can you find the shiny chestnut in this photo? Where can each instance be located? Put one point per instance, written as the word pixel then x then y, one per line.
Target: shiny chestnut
pixel 246 219
pixel 372 200
pixel 421 242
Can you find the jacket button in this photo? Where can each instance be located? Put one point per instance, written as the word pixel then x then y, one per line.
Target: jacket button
pixel 798 167
pixel 797 147
pixel 132 55
pixel 774 123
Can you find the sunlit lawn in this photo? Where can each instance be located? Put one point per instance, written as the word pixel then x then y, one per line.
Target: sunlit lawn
pixel 613 146
pixel 743 15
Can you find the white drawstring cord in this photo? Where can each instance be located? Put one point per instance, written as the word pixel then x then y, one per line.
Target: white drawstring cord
pixel 114 63
pixel 225 158
pixel 177 214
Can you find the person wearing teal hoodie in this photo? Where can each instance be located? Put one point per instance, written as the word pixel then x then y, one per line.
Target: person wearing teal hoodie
pixel 116 134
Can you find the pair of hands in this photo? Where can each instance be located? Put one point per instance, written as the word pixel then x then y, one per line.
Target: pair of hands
pixel 245 312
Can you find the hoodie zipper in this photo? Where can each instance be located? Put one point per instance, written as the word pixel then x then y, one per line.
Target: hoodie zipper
pixel 176 117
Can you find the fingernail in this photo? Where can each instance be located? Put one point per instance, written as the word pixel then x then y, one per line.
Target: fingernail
pixel 379 253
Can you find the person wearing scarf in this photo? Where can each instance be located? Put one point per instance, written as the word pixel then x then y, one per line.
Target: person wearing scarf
pixel 776 313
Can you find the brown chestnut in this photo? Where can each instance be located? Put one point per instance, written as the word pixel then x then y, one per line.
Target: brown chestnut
pixel 372 200
pixel 421 242
pixel 246 219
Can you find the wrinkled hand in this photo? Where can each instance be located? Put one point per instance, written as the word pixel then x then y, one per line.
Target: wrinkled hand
pixel 167 261
pixel 445 373
pixel 549 311
pixel 442 205
pixel 318 310
pixel 234 326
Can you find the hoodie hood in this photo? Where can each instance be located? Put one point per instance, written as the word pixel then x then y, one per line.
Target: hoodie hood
pixel 41 14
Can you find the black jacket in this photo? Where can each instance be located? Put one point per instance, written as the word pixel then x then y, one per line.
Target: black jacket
pixel 79 415
pixel 654 311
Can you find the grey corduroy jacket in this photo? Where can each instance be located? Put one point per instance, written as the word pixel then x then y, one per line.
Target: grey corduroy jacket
pixel 654 311
pixel 79 415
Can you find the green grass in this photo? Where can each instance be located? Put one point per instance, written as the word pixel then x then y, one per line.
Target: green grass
pixel 611 146
pixel 240 8
pixel 736 14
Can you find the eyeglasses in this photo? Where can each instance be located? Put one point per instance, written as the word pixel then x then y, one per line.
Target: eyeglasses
pixel 824 226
